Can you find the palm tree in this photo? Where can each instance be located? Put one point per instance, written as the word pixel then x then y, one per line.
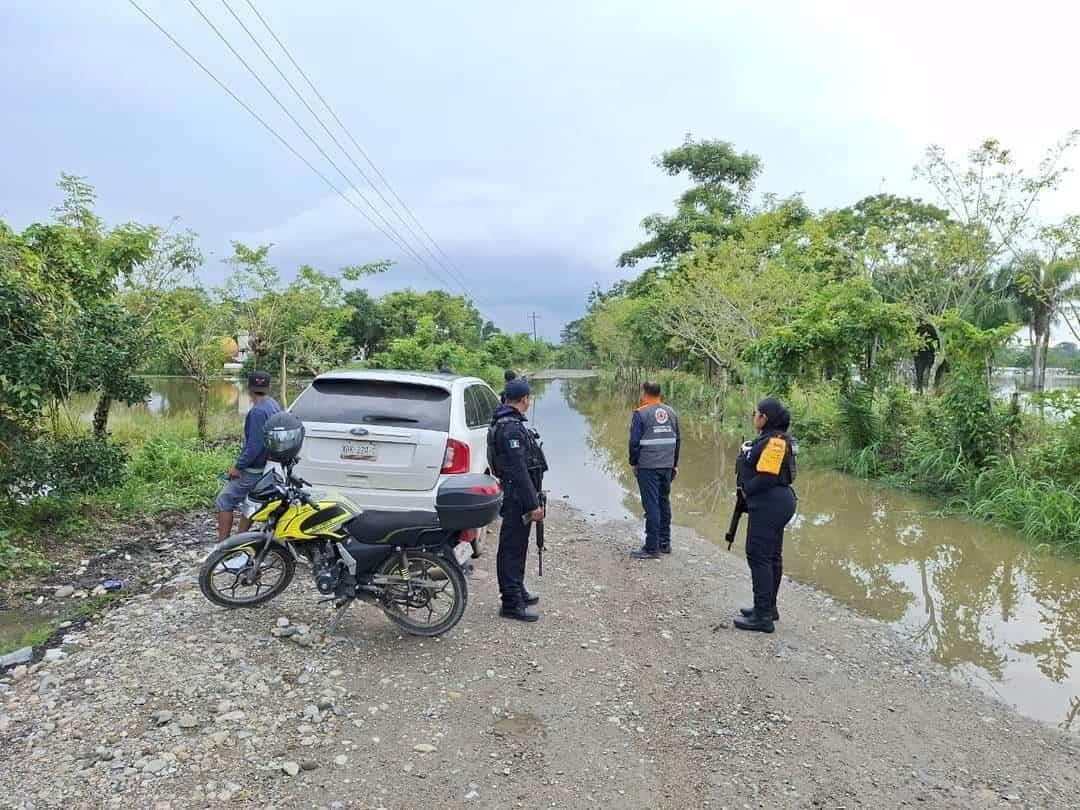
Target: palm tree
pixel 1043 290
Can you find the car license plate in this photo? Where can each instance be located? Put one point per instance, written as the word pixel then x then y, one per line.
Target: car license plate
pixel 463 552
pixel 358 451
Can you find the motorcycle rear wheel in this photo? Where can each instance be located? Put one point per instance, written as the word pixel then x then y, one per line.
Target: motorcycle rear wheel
pixel 425 611
pixel 221 574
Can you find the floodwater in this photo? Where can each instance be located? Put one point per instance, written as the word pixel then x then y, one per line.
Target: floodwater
pixel 981 601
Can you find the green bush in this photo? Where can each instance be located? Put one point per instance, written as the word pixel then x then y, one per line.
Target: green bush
pixel 71 465
pixel 16 560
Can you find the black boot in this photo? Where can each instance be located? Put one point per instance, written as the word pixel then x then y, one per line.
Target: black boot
pixel 762 624
pixel 520 613
pixel 748 612
pixel 532 598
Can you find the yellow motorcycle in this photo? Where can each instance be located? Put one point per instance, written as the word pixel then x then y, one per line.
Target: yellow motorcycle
pixel 406 563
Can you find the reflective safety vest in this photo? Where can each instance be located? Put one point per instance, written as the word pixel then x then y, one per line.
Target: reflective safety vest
pixel 660 437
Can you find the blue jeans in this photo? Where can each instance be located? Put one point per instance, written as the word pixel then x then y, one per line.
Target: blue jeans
pixel 655 486
pixel 236 490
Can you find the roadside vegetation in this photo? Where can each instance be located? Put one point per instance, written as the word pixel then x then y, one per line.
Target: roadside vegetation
pixel 87 310
pixel 881 323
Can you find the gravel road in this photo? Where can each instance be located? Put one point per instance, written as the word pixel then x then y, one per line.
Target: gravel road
pixel 633 691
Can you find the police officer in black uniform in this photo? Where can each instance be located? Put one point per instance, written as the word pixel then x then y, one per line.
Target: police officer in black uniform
pixel 766 473
pixel 508 376
pixel 517 460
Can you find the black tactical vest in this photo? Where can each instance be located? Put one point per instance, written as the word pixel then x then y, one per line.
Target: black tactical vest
pixel 744 471
pixel 535 460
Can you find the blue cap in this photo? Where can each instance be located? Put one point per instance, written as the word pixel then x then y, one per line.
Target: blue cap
pixel 516 390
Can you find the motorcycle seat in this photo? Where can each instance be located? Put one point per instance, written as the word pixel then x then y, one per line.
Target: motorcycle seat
pixel 393 528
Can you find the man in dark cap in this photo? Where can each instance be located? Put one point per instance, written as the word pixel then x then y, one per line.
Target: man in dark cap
pixel 508 376
pixel 251 463
pixel 766 473
pixel 517 460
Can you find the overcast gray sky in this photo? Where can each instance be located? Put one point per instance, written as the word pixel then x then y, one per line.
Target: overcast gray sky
pixel 520 134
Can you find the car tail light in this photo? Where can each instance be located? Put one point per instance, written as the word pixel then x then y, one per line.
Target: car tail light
pixel 456 458
pixel 485 489
pixel 468 535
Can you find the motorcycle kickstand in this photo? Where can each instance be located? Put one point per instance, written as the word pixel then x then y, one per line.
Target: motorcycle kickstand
pixel 340 609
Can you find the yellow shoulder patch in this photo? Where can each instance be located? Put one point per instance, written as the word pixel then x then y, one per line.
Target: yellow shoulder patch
pixel 772 456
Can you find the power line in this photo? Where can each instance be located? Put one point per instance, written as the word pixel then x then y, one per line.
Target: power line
pixel 533 317
pixel 239 101
pixel 337 143
pixel 400 241
pixel 349 134
pixel 277 135
pixel 262 121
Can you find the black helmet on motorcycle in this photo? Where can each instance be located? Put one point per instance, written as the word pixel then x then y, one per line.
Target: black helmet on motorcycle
pixel 283 436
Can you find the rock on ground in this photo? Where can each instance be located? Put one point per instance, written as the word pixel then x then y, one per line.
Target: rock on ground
pixel 631 692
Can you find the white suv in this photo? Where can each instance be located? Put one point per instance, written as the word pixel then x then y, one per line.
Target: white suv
pixel 386 439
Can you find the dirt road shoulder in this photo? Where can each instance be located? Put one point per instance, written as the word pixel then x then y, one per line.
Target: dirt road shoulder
pixel 633 691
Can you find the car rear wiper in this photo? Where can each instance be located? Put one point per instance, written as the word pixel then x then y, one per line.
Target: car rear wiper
pixel 387 417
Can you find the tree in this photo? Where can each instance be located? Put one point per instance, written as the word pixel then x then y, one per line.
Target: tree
pixel 729 292
pixel 304 319
pixel 723 179
pixel 193 327
pixel 363 325
pixel 993 203
pixel 253 294
pixel 456 319
pixel 174 260
pixel 313 315
pixel 85 341
pixel 1044 283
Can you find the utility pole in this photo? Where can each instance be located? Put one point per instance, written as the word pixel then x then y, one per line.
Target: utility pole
pixel 533 318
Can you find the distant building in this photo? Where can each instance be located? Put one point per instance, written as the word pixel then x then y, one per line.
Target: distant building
pixel 236 362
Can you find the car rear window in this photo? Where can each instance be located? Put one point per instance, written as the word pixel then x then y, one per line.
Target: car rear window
pixel 375 402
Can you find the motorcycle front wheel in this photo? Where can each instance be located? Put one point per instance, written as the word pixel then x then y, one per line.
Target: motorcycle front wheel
pixel 424 610
pixel 222 576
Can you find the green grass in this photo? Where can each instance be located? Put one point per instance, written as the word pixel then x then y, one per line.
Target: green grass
pixel 135 428
pixel 74 610
pixel 34 637
pixel 165 474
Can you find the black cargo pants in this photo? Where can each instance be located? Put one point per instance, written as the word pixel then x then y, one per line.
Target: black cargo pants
pixel 513 549
pixel 769 514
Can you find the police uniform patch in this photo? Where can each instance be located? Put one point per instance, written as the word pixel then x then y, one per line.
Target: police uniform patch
pixel 661 416
pixel 772 456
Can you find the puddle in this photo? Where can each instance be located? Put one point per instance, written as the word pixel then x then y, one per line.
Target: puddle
pixel 521 725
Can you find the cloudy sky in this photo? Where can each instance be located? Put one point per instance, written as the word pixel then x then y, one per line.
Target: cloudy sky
pixel 520 134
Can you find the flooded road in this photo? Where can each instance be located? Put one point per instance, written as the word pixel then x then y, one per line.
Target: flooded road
pixel 980 601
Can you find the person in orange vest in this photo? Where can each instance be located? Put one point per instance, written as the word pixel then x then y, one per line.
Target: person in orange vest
pixel 654 457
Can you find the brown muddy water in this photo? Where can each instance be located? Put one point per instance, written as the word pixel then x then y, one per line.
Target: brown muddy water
pixel 980 601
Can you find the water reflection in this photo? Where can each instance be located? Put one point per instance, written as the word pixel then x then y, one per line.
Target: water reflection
pixel 980 601
pixel 178 396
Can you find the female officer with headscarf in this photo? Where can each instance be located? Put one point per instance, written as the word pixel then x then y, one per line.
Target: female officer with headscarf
pixel 766 473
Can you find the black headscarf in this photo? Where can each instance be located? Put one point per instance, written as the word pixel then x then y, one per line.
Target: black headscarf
pixel 776 415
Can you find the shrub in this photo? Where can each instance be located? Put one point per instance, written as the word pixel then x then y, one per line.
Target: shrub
pixel 15 560
pixel 74 465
